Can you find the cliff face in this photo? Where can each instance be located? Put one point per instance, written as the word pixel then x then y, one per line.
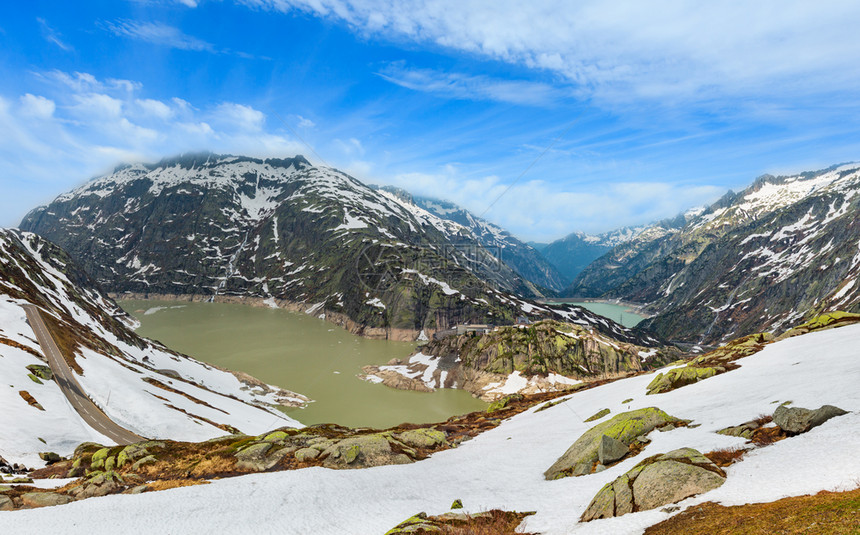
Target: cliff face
pixel 546 356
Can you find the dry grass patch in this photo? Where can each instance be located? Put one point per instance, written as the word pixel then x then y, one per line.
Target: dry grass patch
pixel 825 513
pixel 726 456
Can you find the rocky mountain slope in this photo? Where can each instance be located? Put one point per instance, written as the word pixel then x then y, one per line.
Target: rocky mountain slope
pixel 137 383
pixel 783 250
pixel 573 253
pixel 522 258
pixel 285 232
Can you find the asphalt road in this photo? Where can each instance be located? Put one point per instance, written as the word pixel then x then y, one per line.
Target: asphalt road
pixel 65 377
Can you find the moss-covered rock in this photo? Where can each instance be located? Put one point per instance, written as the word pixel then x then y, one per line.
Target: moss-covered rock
pixel 306 454
pixel 149 459
pixel 829 320
pixel 678 377
pixel 582 456
pixel 99 458
pixel 457 504
pixel 502 403
pixel 656 481
pixel 422 438
pixel 362 451
pixel 41 371
pixel 598 415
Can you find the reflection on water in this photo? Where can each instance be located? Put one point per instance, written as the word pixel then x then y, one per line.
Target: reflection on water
pixel 300 353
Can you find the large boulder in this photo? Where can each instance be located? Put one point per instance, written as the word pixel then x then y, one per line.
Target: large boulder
pixel 656 481
pixel 361 452
pixel 800 420
pixel 678 377
pixel 6 503
pixel 261 457
pixel 583 455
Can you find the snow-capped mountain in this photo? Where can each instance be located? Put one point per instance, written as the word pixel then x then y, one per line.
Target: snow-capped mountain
pixel 288 233
pixel 522 258
pixel 573 253
pixel 762 259
pixel 139 384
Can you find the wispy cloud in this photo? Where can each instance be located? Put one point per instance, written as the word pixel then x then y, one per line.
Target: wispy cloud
pixel 471 87
pixel 159 34
pixel 628 50
pixel 53 36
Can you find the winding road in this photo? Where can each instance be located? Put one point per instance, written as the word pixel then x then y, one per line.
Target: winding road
pixel 63 374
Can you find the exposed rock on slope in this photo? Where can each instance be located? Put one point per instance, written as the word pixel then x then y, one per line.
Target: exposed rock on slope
pixel 138 383
pixel 582 457
pixel 546 356
pixel 656 481
pixel 523 258
pixel 783 250
pixel 286 232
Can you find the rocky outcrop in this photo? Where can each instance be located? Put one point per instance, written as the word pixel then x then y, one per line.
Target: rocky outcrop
pixel 545 356
pixel 496 521
pixel 31 500
pixel 710 364
pixel 583 456
pixel 656 481
pixel 798 420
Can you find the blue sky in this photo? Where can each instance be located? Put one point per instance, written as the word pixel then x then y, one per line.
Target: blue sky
pixel 581 116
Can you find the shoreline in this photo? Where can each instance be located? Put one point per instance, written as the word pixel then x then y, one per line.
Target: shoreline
pixel 640 309
pixel 310 309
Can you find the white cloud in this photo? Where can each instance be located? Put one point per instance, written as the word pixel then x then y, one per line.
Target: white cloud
pixel 155 108
pixel 240 116
pixel 630 49
pixel 36 106
pixel 470 87
pixel 537 210
pixel 304 122
pixel 159 34
pixel 87 125
pixel 52 36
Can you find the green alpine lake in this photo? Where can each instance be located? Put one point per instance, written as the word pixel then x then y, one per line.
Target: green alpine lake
pixel 301 353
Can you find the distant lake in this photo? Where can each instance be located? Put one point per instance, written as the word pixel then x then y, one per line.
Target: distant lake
pixel 301 353
pixel 618 313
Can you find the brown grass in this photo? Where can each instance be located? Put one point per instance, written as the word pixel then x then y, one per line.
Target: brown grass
pixel 163 484
pixel 158 384
pixel 825 513
pixel 30 399
pixel 22 347
pixel 726 456
pixel 764 436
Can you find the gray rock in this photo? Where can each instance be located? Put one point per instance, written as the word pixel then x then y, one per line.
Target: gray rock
pixel 656 481
pixel 611 449
pixel 307 454
pixel 624 427
pixel 670 482
pixel 799 420
pixel 43 499
pixel 257 457
pixel 6 503
pixel 361 452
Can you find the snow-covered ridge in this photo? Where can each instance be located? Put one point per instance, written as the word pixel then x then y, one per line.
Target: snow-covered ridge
pixel 122 381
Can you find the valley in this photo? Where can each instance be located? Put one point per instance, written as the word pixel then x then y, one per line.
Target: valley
pixel 288 348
